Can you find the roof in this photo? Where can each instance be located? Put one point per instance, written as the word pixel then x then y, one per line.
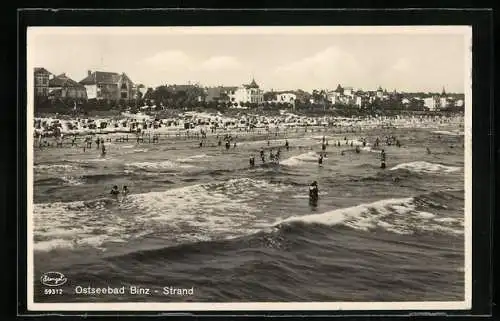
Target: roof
pixel 63 81
pixel 253 84
pixel 41 70
pixel 102 77
pixel 339 89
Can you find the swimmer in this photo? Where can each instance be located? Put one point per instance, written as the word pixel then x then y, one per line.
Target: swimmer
pixel 320 160
pixel 428 150
pixel 125 190
pixel 201 144
pixel 115 192
pixel 357 149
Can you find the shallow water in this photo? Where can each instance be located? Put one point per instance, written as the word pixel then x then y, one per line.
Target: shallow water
pixel 200 217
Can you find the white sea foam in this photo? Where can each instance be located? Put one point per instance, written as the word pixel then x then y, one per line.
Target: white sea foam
pixel 399 216
pixel 299 159
pixel 426 167
pixel 72 180
pixel 209 210
pixel 54 167
pixel 193 158
pixel 165 164
pixel 449 133
pixel 45 246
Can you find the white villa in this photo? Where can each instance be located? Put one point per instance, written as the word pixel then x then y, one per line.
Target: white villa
pixel 248 94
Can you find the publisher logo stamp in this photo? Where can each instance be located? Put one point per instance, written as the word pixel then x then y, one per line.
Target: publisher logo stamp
pixel 53 279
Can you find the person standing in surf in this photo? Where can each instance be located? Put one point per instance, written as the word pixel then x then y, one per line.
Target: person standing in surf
pixel 103 150
pixel 252 161
pixel 313 194
pixel 382 159
pixel 271 155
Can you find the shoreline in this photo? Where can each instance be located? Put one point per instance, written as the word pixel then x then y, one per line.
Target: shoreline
pixel 216 124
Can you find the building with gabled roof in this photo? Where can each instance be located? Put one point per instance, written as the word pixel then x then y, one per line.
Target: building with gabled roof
pixel 250 93
pixel 102 85
pixel 64 87
pixel 41 81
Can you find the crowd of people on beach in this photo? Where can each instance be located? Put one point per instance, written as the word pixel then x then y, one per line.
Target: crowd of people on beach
pixel 271 155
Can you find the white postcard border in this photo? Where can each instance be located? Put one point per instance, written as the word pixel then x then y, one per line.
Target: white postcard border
pixel 261 306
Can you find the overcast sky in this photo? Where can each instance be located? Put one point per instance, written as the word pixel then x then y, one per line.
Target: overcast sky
pixel 277 59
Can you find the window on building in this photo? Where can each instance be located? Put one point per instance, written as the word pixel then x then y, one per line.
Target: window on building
pixel 124 95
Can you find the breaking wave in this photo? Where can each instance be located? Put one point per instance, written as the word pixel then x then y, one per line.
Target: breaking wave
pixel 426 167
pixel 401 216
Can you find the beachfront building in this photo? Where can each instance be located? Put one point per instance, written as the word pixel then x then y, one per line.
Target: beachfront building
pixel 405 102
pixel 445 101
pixel 63 87
pixel 432 103
pixel 358 101
pixel 250 93
pixel 286 97
pixel 108 86
pixel 348 92
pixel 219 93
pixel 380 93
pixel 332 97
pixel 41 81
pixel 339 91
pixel 345 96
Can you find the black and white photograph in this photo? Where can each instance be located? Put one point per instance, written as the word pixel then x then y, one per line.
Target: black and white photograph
pixel 242 168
